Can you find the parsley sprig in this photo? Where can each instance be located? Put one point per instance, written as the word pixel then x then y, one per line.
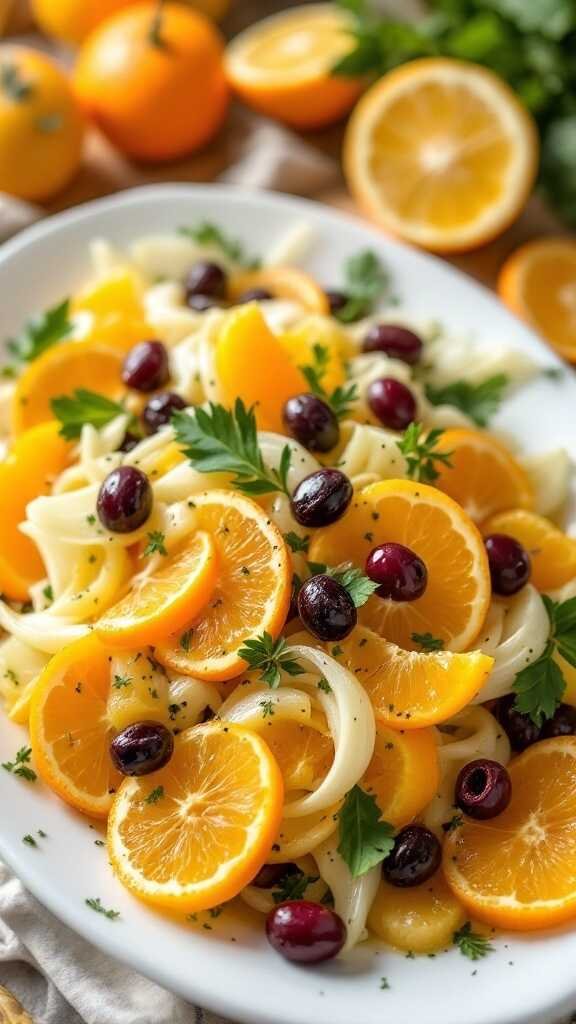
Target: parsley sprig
pixel 419 450
pixel 296 543
pixel 342 397
pixel 359 586
pixel 427 642
pixel 82 407
pixel 540 686
pixel 226 441
pixel 472 944
pixel 271 657
pixel 38 334
pixel 207 233
pixel 155 543
pixel 95 903
pixel 365 282
pixel 292 886
pixel 20 765
pixel 365 840
pixel 479 401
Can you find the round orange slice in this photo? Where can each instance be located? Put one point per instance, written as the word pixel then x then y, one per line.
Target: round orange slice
pixel 210 831
pixel 283 283
pixel 403 774
pixel 60 371
pixel 483 477
pixel 553 553
pixel 518 870
pixel 538 283
pixel 441 153
pixel 455 602
pixel 69 730
pixel 160 602
pixel 252 594
pixel 34 461
pixel 409 691
pixel 421 919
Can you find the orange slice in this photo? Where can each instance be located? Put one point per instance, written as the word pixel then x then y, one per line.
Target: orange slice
pixel 34 461
pixel 441 153
pixel 421 919
pixel 304 754
pixel 252 594
pixel 410 690
pixel 283 283
pixel 69 730
pixel 518 870
pixel 301 340
pixel 484 477
pixel 403 774
pixel 118 294
pixel 162 601
pixel 538 283
pixel 59 371
pixel 552 553
pixel 282 66
pixel 210 832
pixel 455 602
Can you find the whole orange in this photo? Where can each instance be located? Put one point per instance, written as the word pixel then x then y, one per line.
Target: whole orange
pixel 41 126
pixel 72 20
pixel 152 78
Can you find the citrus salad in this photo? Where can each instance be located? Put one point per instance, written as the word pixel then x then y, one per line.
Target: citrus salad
pixel 281 608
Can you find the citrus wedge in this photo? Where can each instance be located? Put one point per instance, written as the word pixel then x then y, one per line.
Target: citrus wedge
pixel 252 594
pixel 441 153
pixel 421 919
pixel 403 774
pixel 483 477
pixel 410 691
pixel 538 283
pixel 282 66
pixel 59 371
pixel 552 553
pixel 455 602
pixel 518 870
pixel 162 601
pixel 69 730
pixel 289 283
pixel 210 832
pixel 300 342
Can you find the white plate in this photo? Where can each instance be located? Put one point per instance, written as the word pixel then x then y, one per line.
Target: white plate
pixel 528 979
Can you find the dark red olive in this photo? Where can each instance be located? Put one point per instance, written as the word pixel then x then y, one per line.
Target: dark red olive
pixel 392 403
pixel 271 874
pixel 520 729
pixel 510 565
pixel 336 300
pixel 141 748
pixel 305 932
pixel 483 789
pixel 200 303
pixel 321 498
pixel 206 278
pixel 255 295
pixel 396 342
pixel 415 857
pixel 159 410
pixel 326 608
pixel 146 366
pixel 124 500
pixel 401 573
pixel 312 422
pixel 562 723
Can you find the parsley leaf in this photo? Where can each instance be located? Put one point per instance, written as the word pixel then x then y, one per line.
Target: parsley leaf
pixel 19 766
pixel 29 840
pixel 225 441
pixel 472 944
pixel 82 407
pixel 271 657
pixel 324 685
pixel 427 642
pixel 40 333
pixel 121 681
pixel 96 904
pixel 540 686
pixel 296 543
pixel 207 233
pixel 421 454
pixel 155 543
pixel 292 886
pixel 267 708
pixel 365 840
pixel 155 795
pixel 479 401
pixel 342 397
pixel 359 586
pixel 365 282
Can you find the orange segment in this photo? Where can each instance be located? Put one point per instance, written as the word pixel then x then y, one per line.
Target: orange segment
pixel 442 153
pixel 251 364
pixel 538 283
pixel 484 477
pixel 304 754
pixel 552 552
pixel 36 458
pixel 59 371
pixel 162 601
pixel 252 593
pixel 455 602
pixel 282 65
pixel 284 283
pixel 69 731
pixel 421 919
pixel 518 870
pixel 210 832
pixel 117 294
pixel 301 340
pixel 410 690
pixel 403 774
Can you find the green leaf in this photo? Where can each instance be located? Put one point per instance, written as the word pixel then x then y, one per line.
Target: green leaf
pixel 421 454
pixel 479 401
pixel 207 233
pixel 222 441
pixel 427 642
pixel 20 765
pixel 365 840
pixel 155 543
pixel 564 617
pixel 342 399
pixel 292 886
pixel 558 169
pixel 539 687
pixel 120 682
pixel 96 904
pixel 359 586
pixel 84 407
pixel 155 795
pixel 366 282
pixel 552 18
pixel 472 944
pixel 271 657
pixel 40 333
pixel 296 543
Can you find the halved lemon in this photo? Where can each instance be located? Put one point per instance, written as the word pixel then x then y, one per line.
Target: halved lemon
pixel 441 153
